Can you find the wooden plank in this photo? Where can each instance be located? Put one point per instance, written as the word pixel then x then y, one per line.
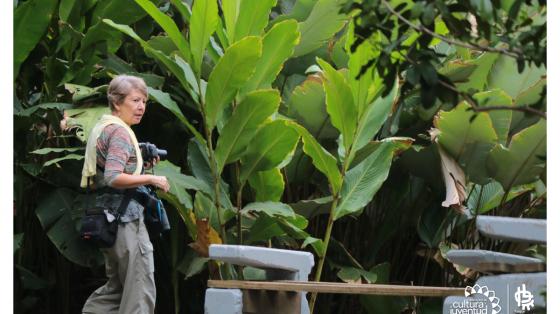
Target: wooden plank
pixel 336 287
pixel 512 229
pixel 489 261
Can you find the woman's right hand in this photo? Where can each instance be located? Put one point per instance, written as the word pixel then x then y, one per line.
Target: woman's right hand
pixel 160 182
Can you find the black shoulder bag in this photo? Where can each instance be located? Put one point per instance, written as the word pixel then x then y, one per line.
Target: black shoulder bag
pixel 96 228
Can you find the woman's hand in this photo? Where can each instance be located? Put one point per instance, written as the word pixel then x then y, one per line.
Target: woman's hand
pixel 149 164
pixel 160 182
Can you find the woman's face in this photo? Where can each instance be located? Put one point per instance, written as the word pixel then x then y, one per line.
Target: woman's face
pixel 132 108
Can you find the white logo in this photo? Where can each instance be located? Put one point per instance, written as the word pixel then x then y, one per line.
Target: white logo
pixel 524 298
pixel 490 294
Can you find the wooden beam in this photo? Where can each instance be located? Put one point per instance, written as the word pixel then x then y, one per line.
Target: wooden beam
pixel 336 287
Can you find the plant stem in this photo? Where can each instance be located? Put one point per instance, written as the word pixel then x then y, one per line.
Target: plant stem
pixel 323 256
pixel 213 166
pixel 239 203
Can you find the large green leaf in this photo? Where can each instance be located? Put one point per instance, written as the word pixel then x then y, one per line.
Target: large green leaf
pixel 243 125
pixel 59 213
pixel 468 138
pixel 307 106
pixel 322 24
pixel 278 46
pixel 523 161
pixel 373 118
pixel 168 25
pixel 501 119
pixel 84 119
pixel 505 75
pixel 252 18
pixel 174 67
pixel 179 183
pixel 48 150
pixel 321 158
pixel 231 73
pixel 340 104
pixel 31 20
pixel 270 146
pixel 362 182
pixel 266 227
pixel 483 198
pixel 362 88
pixel 204 20
pixel 230 10
pixel 268 185
pixel 270 208
pixel 67 157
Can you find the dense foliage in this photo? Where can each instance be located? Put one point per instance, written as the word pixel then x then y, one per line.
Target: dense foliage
pixel 313 125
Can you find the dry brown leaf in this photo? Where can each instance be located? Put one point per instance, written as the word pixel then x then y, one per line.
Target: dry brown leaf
pixel 205 235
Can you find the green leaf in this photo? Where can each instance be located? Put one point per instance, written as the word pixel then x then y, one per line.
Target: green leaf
pixel 80 92
pixel 67 157
pixel 31 20
pixel 177 179
pixel 59 213
pixel 478 80
pixel 268 185
pixel 270 146
pixel 183 9
pixel 267 227
pixel 252 18
pixel 240 129
pixel 501 119
pixel 321 25
pixel 175 68
pixel 204 20
pixel 307 106
pixel 311 208
pixel 85 119
pixel 523 161
pixel 231 12
pixel 505 75
pixel 363 88
pixel 340 104
pixel 353 275
pixel 165 100
pixel 487 197
pixel 48 150
pixel 45 106
pixel 458 71
pixel 168 25
pixel 270 208
pixel 362 182
pixel 230 74
pixel 321 158
pixel 468 142
pixel 278 46
pixel 373 118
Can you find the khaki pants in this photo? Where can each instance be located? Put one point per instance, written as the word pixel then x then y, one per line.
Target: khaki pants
pixel 129 265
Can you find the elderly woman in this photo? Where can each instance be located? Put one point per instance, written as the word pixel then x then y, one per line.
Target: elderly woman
pixel 114 161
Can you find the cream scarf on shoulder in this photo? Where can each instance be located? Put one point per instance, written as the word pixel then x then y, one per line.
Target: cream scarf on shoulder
pixel 90 159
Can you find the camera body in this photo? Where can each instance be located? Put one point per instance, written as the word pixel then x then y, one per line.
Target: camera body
pixel 150 151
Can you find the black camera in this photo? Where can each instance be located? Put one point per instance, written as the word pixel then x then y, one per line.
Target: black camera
pixel 150 151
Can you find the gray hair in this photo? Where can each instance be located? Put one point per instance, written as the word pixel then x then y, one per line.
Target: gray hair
pixel 121 86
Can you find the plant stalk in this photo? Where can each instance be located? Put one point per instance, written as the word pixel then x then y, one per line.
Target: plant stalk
pixel 324 255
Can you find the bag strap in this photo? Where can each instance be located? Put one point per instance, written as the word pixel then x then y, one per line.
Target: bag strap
pixel 124 203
